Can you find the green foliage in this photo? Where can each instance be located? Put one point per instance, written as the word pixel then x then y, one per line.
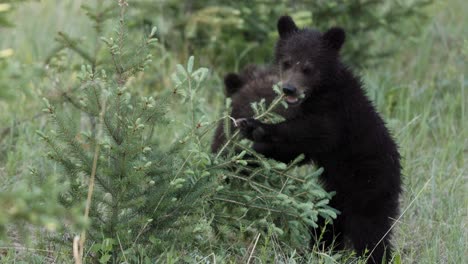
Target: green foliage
pixel 5 8
pixel 7 69
pixel 137 190
pixel 244 31
pixel 29 202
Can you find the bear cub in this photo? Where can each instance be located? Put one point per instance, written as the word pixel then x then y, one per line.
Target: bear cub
pixel 336 126
pixel 252 84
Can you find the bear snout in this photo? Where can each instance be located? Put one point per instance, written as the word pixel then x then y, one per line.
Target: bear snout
pixel 289 89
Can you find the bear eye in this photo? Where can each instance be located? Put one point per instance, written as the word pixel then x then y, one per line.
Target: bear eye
pixel 286 65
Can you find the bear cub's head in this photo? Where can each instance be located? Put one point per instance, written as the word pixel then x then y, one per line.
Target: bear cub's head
pixel 306 59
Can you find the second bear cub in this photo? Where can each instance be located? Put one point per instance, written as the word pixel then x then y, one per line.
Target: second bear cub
pixel 252 84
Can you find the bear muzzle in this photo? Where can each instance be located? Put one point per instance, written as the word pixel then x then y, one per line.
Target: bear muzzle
pixel 291 95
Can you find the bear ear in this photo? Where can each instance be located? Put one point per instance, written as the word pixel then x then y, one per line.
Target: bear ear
pixel 232 83
pixel 286 26
pixel 334 38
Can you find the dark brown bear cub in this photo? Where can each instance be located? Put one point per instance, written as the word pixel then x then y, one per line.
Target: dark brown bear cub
pixel 339 129
pixel 252 84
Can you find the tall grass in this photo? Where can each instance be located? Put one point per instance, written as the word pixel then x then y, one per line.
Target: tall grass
pixel 422 94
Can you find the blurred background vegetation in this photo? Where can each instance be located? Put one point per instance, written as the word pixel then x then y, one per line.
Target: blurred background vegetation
pixel 411 55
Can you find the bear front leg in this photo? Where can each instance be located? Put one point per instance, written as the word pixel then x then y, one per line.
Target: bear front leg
pixel 309 135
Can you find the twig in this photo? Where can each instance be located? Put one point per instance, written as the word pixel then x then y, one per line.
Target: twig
pixel 121 248
pixel 227 143
pixel 76 250
pixel 92 178
pixel 253 183
pixel 254 206
pixel 270 108
pixel 253 249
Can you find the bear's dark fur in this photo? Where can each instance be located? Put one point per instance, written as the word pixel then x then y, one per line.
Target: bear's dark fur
pixel 336 126
pixel 252 84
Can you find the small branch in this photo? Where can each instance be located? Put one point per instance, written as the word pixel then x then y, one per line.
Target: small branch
pixel 91 181
pixel 227 143
pixel 70 43
pixel 121 249
pixel 253 248
pixel 254 183
pixel 270 108
pixel 254 206
pixel 76 250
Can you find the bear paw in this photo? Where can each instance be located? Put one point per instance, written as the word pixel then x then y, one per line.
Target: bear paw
pixel 251 129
